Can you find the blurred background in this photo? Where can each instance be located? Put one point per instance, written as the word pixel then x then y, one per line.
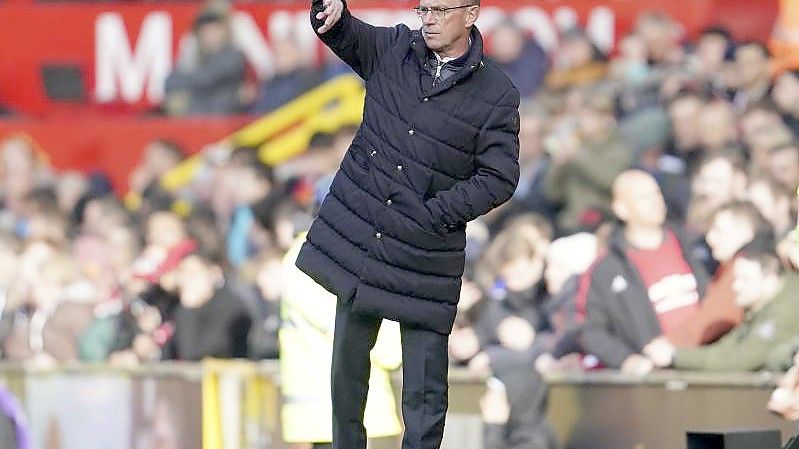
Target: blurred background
pixel 160 162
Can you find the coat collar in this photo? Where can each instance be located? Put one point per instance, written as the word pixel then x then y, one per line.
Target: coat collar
pixel 472 60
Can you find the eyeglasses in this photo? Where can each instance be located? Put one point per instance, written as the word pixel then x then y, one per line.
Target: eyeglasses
pixel 438 11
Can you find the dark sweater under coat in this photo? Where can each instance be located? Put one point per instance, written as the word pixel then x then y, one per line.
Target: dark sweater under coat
pixel 426 160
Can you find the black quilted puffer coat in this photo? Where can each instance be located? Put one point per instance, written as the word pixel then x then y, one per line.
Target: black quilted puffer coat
pixel 426 160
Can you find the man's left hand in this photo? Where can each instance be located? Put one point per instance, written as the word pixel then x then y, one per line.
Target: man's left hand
pixel 660 351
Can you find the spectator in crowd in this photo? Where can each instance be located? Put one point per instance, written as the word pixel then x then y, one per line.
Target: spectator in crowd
pixel 646 285
pixel 718 127
pixel 159 158
pixel 662 36
pixel 714 49
pixel 584 162
pixel 41 220
pixel 293 77
pixel 681 154
pixel 631 65
pixel 263 338
pixel 786 96
pixel 577 62
pixel 733 226
pixel 568 258
pixel 684 111
pixel 314 163
pixel 22 171
pixel 512 330
pixel 50 320
pixel 254 181
pixel 774 203
pixel 99 214
pixel 759 152
pixel 533 164
pixel 720 179
pixel 761 130
pixel 510 324
pixel 769 297
pixel 306 338
pixel 784 165
pixel 146 325
pixel 166 244
pixel 785 399
pixel 92 257
pixel 211 320
pixel 275 218
pixel 637 83
pixel 521 58
pixel 504 425
pixel 754 75
pixel 71 188
pixel 758 118
pixel 209 71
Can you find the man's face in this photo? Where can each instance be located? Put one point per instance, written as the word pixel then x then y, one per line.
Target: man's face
pixel 165 230
pixel 716 183
pixel 521 273
pixel 637 200
pixel 440 33
pixel 195 281
pixel 758 121
pixel 772 206
pixel 645 204
pixel 752 65
pixel 786 92
pixel 717 125
pixel 684 114
pixel 784 165
pixel 747 283
pixel 727 235
pixel 711 51
pixel 212 37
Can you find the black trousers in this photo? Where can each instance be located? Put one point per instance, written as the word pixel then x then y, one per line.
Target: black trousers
pixel 424 380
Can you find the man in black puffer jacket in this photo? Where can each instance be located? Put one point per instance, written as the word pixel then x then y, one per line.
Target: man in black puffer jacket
pixel 438 147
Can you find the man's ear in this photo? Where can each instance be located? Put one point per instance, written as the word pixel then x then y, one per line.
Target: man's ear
pixel 620 210
pixel 471 16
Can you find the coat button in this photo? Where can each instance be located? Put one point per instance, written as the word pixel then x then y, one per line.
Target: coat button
pixel 399 167
pixel 378 235
pixel 373 153
pixel 411 132
pixel 389 202
pixel 426 99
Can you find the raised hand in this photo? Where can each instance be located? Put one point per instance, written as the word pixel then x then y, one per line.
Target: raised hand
pixel 330 14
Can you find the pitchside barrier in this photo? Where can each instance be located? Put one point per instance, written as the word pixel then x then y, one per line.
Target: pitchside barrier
pixel 236 405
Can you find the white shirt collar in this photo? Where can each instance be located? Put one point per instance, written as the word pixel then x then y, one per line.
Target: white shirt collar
pixel 447 59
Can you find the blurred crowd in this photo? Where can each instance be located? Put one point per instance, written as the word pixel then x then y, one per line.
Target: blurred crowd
pixel 653 225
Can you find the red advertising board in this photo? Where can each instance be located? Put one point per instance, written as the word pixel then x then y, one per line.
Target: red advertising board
pixel 119 53
pixel 122 52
